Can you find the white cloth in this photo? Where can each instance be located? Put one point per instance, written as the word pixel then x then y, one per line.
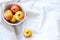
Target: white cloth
pixel 46 31
pixel 42 18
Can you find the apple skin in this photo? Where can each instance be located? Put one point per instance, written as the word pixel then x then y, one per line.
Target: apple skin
pixel 13 20
pixel 19 15
pixel 14 8
pixel 27 33
pixel 8 15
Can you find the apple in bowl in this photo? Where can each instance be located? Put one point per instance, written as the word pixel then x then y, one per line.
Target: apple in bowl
pixel 8 15
pixel 14 8
pixel 19 15
pixel 13 14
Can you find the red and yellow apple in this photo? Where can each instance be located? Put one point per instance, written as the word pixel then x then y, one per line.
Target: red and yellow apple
pixel 19 15
pixel 15 8
pixel 8 15
pixel 13 20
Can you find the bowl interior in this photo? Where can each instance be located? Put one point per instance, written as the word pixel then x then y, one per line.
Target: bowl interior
pixel 8 6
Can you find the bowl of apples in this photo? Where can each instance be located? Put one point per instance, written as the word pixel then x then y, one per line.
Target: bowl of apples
pixel 13 13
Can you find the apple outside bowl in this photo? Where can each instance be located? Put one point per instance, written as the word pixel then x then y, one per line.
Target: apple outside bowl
pixel 6 6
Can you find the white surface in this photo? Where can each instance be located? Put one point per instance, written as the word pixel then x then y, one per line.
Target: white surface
pixel 42 18
pixel 4 0
pixel 7 33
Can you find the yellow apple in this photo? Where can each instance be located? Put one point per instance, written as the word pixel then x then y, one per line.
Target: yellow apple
pixel 27 33
pixel 13 20
pixel 8 15
pixel 19 15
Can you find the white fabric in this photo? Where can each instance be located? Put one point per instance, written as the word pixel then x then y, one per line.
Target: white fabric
pixel 42 18
pixel 4 1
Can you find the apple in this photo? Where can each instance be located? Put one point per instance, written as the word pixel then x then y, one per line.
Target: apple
pixel 27 33
pixel 8 15
pixel 13 20
pixel 19 15
pixel 14 8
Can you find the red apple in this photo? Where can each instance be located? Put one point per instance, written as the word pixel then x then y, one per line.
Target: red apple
pixel 14 8
pixel 8 15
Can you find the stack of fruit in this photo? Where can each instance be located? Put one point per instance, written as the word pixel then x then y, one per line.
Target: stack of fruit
pixel 13 14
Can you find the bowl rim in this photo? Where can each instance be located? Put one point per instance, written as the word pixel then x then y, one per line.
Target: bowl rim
pixel 22 10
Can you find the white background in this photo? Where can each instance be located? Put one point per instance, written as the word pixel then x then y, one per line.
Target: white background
pixel 43 18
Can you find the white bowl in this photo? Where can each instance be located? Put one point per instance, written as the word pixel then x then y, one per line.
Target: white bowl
pixel 11 3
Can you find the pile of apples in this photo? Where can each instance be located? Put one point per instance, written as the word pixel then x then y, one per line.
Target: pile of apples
pixel 13 14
